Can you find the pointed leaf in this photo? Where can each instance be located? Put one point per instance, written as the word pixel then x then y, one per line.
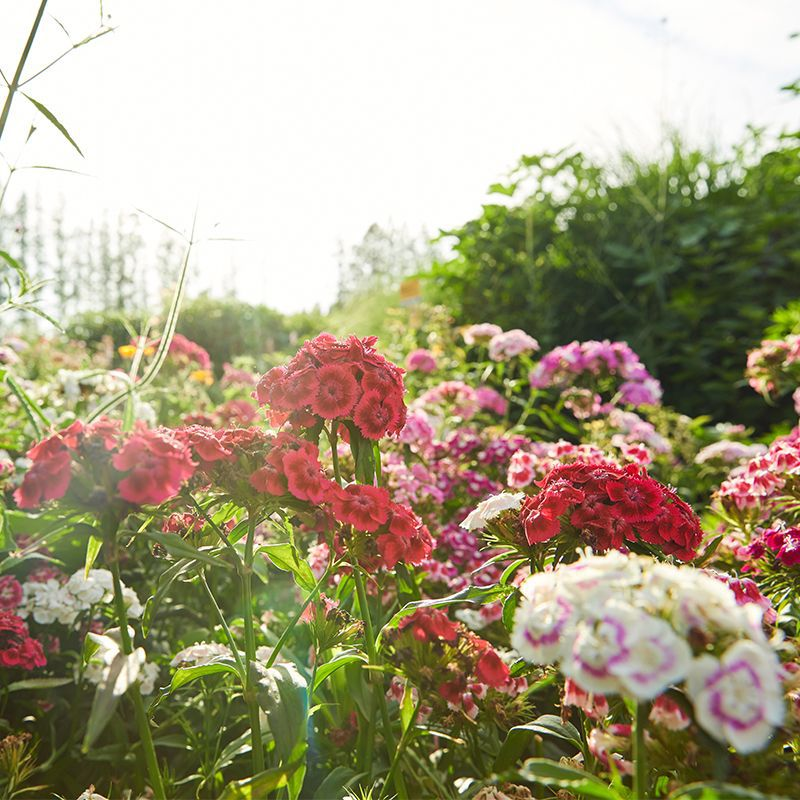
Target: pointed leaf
pixel 52 118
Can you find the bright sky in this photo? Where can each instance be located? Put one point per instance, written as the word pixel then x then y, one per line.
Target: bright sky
pixel 297 125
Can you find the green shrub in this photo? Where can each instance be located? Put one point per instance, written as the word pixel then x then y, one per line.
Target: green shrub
pixel 685 261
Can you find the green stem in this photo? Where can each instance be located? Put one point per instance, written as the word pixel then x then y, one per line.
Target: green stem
pixel 380 696
pixel 282 639
pixel 228 635
pixel 333 438
pixel 407 733
pixel 134 694
pixel 250 648
pixel 12 88
pixel 640 774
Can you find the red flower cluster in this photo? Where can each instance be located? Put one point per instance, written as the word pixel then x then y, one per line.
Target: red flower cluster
pixel 430 625
pixel 611 506
pixel 156 462
pixel 401 536
pixel 50 473
pixel 337 380
pixel 17 649
pixel 293 467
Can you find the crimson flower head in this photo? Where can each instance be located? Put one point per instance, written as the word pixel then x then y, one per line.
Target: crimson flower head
pixel 336 380
pixel 366 508
pixel 17 649
pixel 156 463
pixel 610 507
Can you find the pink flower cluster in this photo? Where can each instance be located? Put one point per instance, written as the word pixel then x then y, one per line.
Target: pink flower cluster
pixel 421 360
pixel 510 344
pixel 759 483
pixel 770 367
pixel 563 365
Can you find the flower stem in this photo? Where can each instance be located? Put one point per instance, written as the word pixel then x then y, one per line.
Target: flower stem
pixel 250 648
pixel 228 635
pixel 134 693
pixel 640 774
pixel 380 697
pixel 14 85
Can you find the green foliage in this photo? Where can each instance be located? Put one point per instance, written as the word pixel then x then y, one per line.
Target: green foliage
pixel 685 260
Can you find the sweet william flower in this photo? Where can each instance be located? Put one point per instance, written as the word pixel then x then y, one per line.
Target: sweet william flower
pixel 421 360
pixel 156 464
pixel 738 698
pixel 335 393
pixel 366 508
pixel 667 713
pixel 377 414
pixel 491 669
pixel 480 333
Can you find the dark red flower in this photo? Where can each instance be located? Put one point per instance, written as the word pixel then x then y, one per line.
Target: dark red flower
pixel 17 649
pixel 636 499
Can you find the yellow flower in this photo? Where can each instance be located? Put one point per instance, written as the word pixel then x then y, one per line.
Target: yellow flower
pixel 127 350
pixel 203 376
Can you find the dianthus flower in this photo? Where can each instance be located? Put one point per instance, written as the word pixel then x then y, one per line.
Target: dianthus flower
pixel 156 464
pixel 611 506
pixel 331 379
pixel 420 360
pixel 17 649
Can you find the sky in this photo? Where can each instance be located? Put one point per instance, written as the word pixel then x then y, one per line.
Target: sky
pixel 292 127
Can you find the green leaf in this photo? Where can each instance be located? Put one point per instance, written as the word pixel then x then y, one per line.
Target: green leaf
pixel 122 673
pixel 37 683
pixel 282 693
pixel 721 791
pixel 520 735
pixel 92 551
pixel 285 557
pixel 180 548
pixel 549 773
pixel 185 675
pixel 52 118
pixel 165 580
pixel 407 708
pixel 32 411
pixel 336 782
pixel 257 787
pixel 324 671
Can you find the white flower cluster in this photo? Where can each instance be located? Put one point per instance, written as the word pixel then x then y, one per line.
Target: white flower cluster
pixel 621 624
pixel 51 601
